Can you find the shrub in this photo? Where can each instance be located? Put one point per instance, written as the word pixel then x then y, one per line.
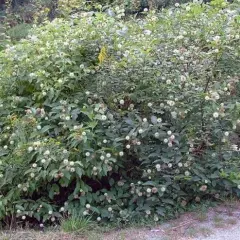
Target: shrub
pixel 19 31
pixel 120 119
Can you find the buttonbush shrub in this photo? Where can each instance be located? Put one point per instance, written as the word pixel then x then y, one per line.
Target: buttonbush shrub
pixel 121 119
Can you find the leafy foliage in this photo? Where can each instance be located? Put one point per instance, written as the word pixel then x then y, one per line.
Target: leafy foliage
pixel 120 119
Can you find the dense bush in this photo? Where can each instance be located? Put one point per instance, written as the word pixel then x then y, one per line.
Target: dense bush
pixel 121 119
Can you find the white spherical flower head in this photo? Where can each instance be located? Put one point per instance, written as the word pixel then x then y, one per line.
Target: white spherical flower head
pixel 75 127
pixel 185 164
pixel 216 38
pixel 99 219
pixel 158 166
pixel 170 144
pixel 84 133
pixel 109 209
pixel 149 171
pixel 88 206
pixel 18 211
pixel 65 151
pixel 121 102
pixel 85 213
pixel 108 155
pixel 128 146
pixel 177 4
pixel 165 140
pixel 121 154
pixel 159 120
pixel 168 81
pixel 50 212
pixel 131 106
pixel 144 119
pixel 67 118
pixel 163 189
pixel 19 185
pixel 39 127
pixel 149 190
pixel 216 115
pixel 226 134
pixel 187 173
pixel 102 157
pixel 138 143
pixel 43 161
pixel 65 161
pixel 207 98
pixel 169 165
pixel 238 186
pixel 149 104
pixel 180 164
pixel 11 142
pixel 104 141
pixel 71 74
pixel 5 147
pixel 169 133
pixel 127 138
pixel 87 154
pixel 34 165
pixel 148 212
pixel 25 189
pixel 32 175
pixel 30 149
pixel 62 209
pixel 94 169
pixel 156 135
pixel 46 152
pixel 172 137
pixel 41 225
pixel 87 93
pixel 71 163
pixel 104 118
pixel 23 217
pixel 140 131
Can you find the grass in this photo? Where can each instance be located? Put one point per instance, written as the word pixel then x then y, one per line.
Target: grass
pixel 192 232
pixel 201 216
pixel 232 221
pixel 218 221
pixel 76 223
pixel 205 231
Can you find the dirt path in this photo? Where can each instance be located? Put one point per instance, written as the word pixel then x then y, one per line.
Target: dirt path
pixel 221 223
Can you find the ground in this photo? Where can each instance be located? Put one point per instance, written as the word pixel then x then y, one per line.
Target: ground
pixel 219 223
